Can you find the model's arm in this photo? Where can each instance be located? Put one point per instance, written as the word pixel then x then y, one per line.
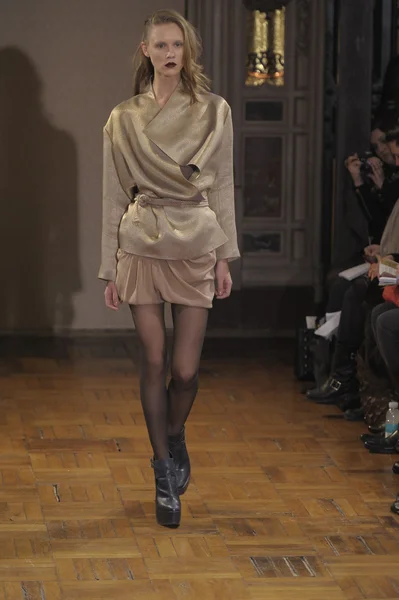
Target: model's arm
pixel 115 202
pixel 221 195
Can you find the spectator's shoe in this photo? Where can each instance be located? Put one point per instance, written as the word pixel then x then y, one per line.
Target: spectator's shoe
pixel 395 506
pixel 391 439
pixel 377 429
pixel 355 414
pixel 366 437
pixel 178 449
pixel 342 388
pixel 395 468
pixel 383 445
pixel 383 450
pixel 339 391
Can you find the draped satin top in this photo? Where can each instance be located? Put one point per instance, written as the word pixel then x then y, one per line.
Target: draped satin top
pixel 168 188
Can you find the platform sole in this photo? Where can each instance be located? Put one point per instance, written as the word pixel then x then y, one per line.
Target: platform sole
pixel 168 518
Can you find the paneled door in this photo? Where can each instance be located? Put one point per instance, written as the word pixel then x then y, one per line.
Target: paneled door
pixel 269 66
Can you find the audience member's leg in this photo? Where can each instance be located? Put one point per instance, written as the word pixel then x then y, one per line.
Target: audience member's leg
pixel 379 311
pixel 353 317
pixel 387 334
pixel 336 294
pixel 378 386
pixel 343 388
pixel 322 347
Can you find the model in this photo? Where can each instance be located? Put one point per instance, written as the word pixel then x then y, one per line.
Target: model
pixel 169 230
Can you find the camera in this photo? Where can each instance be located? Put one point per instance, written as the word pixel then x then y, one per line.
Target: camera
pixel 365 167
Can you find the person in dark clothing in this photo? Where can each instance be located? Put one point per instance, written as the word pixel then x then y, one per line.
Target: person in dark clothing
pixel 362 294
pixel 376 193
pixel 385 328
pixel 385 323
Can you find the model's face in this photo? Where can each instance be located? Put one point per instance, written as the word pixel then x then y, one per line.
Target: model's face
pixel 165 49
pixel 380 147
pixel 394 149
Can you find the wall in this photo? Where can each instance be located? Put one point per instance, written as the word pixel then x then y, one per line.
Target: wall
pixel 63 67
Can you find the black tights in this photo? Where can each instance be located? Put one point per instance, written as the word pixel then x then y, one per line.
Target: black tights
pixel 166 409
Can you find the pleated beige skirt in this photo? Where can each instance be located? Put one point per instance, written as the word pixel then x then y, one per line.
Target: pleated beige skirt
pixel 142 280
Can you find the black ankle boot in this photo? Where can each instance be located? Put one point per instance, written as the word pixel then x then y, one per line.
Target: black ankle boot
pixel 178 449
pixel 342 388
pixel 337 390
pixel 357 413
pixel 395 506
pixel 167 501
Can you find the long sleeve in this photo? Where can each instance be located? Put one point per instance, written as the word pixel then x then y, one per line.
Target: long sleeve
pixel 115 202
pixel 377 205
pixel 221 195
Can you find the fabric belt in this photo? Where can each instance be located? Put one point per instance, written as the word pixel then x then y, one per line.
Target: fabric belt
pixel 145 200
pixel 148 220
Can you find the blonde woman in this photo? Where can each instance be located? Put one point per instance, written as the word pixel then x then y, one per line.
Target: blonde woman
pixel 168 230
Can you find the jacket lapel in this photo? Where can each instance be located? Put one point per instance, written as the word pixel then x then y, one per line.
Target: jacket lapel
pixel 183 130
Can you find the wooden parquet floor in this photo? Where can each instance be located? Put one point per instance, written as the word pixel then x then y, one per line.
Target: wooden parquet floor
pixel 284 503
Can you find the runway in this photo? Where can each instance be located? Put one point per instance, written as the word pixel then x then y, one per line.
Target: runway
pixel 284 503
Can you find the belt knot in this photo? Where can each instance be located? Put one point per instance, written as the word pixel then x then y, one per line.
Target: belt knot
pixel 142 199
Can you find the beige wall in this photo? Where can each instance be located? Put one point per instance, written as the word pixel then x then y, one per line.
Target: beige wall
pixel 63 66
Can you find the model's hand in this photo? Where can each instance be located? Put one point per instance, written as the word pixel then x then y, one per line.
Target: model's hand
pixel 111 296
pixel 223 279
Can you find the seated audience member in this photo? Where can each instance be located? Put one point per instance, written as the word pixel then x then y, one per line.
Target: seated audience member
pixel 342 387
pixel 377 192
pixel 385 327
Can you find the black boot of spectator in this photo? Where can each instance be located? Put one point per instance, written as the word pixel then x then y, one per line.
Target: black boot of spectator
pixel 342 388
pixel 354 414
pixel 395 506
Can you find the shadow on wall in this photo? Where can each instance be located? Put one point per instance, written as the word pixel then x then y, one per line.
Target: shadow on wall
pixel 39 258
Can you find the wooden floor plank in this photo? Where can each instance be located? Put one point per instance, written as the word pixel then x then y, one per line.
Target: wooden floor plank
pixel 283 502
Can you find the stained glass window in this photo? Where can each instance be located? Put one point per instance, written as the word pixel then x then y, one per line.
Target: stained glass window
pixel 265 47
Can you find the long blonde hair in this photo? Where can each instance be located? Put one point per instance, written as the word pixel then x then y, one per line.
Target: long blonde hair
pixel 193 79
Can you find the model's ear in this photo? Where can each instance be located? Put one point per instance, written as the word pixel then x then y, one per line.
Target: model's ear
pixel 144 49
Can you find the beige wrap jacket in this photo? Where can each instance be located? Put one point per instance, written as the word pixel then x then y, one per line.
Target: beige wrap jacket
pixel 180 159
